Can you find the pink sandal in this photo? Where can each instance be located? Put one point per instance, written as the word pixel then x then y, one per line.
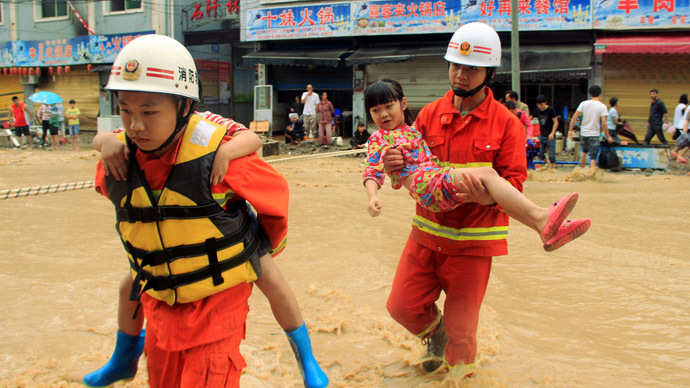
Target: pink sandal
pixel 569 231
pixel 681 160
pixel 557 214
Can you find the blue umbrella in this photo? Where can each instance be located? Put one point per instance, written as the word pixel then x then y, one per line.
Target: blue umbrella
pixel 45 98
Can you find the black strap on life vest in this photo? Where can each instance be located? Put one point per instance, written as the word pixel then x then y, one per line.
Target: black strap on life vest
pixel 168 255
pixel 160 213
pixel 162 283
pixel 213 266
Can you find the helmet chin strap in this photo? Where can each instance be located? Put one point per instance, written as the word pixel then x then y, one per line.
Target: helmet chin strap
pixel 469 93
pixel 180 122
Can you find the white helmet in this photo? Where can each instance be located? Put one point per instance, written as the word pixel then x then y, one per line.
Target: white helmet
pixel 155 64
pixel 475 44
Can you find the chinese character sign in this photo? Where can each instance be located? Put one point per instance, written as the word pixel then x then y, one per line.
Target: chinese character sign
pixel 533 15
pixel 405 16
pixel 414 17
pixel 616 14
pixel 104 48
pixel 326 20
pixel 52 52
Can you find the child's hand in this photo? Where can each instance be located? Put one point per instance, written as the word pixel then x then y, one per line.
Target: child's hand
pixel 375 206
pixel 220 167
pixel 471 189
pixel 114 157
pixel 393 160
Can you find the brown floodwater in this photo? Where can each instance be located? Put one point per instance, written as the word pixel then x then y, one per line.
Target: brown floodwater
pixel 608 310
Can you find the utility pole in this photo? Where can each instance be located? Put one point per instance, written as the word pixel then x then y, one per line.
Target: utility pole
pixel 515 48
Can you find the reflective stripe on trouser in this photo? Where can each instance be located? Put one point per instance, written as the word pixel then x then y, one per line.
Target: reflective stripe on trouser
pixel 215 365
pixel 461 234
pixel 421 276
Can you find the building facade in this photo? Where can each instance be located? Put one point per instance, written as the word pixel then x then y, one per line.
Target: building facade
pixel 340 47
pixel 68 48
pixel 627 46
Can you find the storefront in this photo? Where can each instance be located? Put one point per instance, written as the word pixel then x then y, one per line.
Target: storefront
pixel 210 32
pixel 74 68
pixel 290 71
pixel 9 87
pixel 633 64
pixel 79 84
pixel 406 40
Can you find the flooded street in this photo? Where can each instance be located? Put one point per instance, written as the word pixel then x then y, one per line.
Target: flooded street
pixel 608 310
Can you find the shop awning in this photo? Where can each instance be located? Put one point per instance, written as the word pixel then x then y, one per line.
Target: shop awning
pixel 393 54
pixel 321 57
pixel 669 43
pixel 548 62
pixel 534 59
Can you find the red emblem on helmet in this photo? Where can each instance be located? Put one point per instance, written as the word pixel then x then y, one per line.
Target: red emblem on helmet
pixel 465 48
pixel 131 70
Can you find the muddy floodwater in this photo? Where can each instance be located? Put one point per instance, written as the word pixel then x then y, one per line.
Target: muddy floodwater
pixel 608 310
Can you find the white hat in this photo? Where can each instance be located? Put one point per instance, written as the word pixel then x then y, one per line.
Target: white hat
pixel 155 64
pixel 475 44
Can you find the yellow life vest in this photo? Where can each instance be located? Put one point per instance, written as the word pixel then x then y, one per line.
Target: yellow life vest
pixel 183 246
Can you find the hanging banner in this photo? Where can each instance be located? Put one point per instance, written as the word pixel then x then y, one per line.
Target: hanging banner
pixel 397 17
pixel 533 15
pixel 319 21
pixel 405 16
pixel 104 48
pixel 53 52
pixel 6 56
pixel 627 14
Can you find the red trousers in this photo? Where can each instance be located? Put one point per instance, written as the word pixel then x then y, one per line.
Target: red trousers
pixel 421 276
pixel 215 365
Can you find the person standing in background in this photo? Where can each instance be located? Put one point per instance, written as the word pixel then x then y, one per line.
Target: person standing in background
pixel 548 124
pixel 72 115
pixel 511 95
pixel 523 116
pixel 61 119
pixel 658 115
pixel 613 120
pixel 679 115
pixel 594 114
pixel 296 106
pixel 43 115
pixel 19 120
pixel 325 111
pixel 309 99
pixel 54 122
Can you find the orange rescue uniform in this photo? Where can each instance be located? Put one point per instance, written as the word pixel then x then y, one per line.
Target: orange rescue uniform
pixel 452 252
pixel 197 344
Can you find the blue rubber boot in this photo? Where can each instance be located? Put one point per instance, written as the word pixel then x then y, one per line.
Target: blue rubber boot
pixel 123 364
pixel 311 371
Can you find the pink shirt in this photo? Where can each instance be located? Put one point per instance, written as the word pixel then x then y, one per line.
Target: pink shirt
pixel 524 119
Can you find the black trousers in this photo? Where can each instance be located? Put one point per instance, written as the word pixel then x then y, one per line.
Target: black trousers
pixel 46 127
pixel 654 130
